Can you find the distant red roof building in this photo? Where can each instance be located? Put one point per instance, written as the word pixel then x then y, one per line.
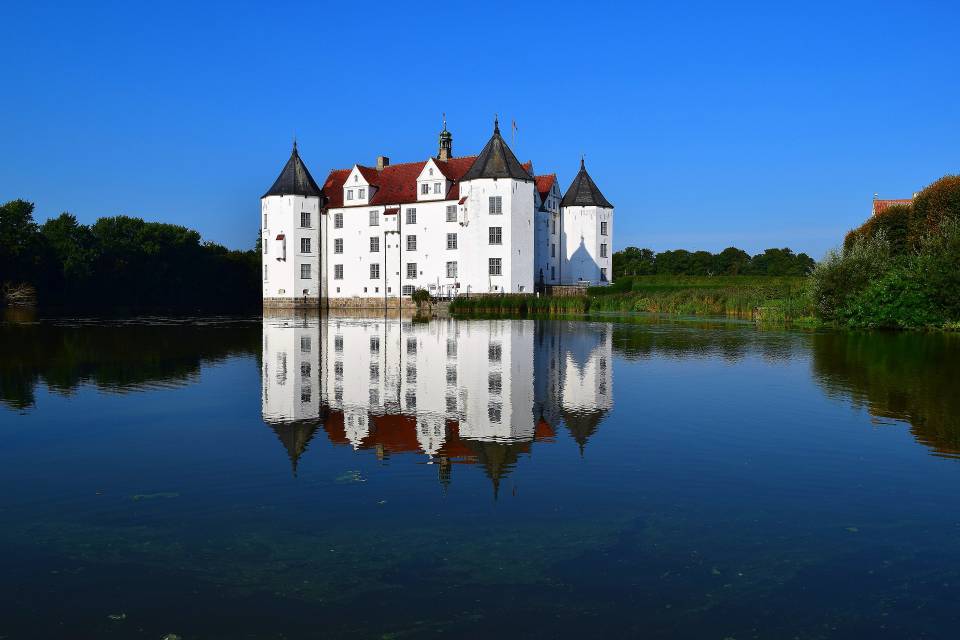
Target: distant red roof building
pixel 879 206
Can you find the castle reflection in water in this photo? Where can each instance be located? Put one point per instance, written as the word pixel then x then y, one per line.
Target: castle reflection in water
pixel 456 392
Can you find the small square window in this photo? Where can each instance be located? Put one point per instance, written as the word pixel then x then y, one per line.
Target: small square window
pixel 451 241
pixel 338 245
pixel 451 213
pixel 411 216
pixel 374 219
pixel 338 221
pixel 496 205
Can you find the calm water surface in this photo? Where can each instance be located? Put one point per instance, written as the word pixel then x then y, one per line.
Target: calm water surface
pixel 370 478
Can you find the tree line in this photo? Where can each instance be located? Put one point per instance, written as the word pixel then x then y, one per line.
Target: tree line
pixel 729 262
pixel 899 269
pixel 121 262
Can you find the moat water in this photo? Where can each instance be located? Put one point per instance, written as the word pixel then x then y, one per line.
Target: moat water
pixel 371 478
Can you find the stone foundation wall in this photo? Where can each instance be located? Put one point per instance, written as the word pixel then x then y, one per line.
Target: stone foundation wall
pixel 292 303
pixel 392 302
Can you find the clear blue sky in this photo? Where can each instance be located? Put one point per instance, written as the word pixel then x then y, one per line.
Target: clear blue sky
pixel 706 124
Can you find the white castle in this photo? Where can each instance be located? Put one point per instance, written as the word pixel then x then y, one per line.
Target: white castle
pixel 482 224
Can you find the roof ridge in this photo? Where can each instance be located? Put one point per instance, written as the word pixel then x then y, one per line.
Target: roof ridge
pixel 403 164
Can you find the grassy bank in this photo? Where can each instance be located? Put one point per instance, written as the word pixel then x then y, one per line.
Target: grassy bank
pixel 772 299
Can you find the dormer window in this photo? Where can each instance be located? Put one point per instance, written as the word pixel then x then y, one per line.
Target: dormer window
pixel 361 194
pixel 436 187
pixel 424 189
pixel 431 171
pixel 356 178
pixel 349 194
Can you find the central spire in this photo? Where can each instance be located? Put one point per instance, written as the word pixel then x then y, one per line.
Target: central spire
pixel 446 142
pixel 497 160
pixel 496 125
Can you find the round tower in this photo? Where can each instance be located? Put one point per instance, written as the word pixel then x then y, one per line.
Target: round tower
pixel 290 238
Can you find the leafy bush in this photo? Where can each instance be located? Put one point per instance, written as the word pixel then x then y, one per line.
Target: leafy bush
pixel 844 273
pixel 935 205
pixel 421 296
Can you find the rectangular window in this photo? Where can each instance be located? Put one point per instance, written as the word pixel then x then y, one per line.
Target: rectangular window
pixel 304 245
pixel 375 244
pixel 338 345
pixel 496 235
pixel 495 352
pixel 338 245
pixel 305 219
pixel 374 219
pixel 553 251
pixel 451 348
pixel 411 270
pixel 496 205
pixel 553 226
pixel 451 374
pixel 553 274
pixel 361 194
pixel 451 269
pixel 603 274
pixel 266 244
pixel 374 344
pixel 305 344
pixel 424 189
pixel 264 273
pixel 406 289
pixel 305 272
pixel 374 372
pixel 451 213
pixel 374 271
pixel 338 272
pixel 451 241
pixel 411 216
pixel 603 228
pixel 436 187
pixel 411 243
pixel 603 251
pixel 265 221
pixel 496 264
pixel 411 346
pixel 349 194
pixel 338 221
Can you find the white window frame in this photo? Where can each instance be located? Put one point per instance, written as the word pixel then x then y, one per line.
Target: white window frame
pixel 305 215
pixel 495 266
pixel 305 273
pixel 374 244
pixel 603 228
pixel 495 235
pixel 338 272
pixel 374 218
pixel 411 215
pixel 451 241
pixel 411 243
pixel 361 194
pixel 495 207
pixel 338 245
pixel 452 269
pixel 349 194
pixel 305 245
pixel 374 270
pixel 424 188
pixel 414 276
pixel 451 213
pixel 338 220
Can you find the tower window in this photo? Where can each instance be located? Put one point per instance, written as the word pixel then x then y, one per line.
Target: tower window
pixel 304 245
pixel 338 272
pixel 496 235
pixel 553 226
pixel 603 274
pixel 374 271
pixel 305 219
pixel 374 219
pixel 451 241
pixel 411 216
pixel 603 251
pixel 374 244
pixel 338 245
pixel 338 221
pixel 305 271
pixel 553 250
pixel 411 243
pixel 496 205
pixel 451 269
pixel 603 228
pixel 496 266
pixel 264 273
pixel 411 270
pixel 452 213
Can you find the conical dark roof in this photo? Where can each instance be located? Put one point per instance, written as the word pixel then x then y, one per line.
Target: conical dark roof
pixel 295 436
pixel 583 192
pixel 294 180
pixel 497 161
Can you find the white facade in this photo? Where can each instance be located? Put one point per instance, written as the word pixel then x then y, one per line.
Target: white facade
pixel 587 245
pixel 439 225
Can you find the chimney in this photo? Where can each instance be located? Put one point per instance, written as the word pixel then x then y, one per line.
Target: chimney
pixel 382 161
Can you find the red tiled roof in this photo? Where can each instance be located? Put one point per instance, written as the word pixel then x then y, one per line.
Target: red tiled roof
pixel 879 206
pixel 544 183
pixel 396 183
